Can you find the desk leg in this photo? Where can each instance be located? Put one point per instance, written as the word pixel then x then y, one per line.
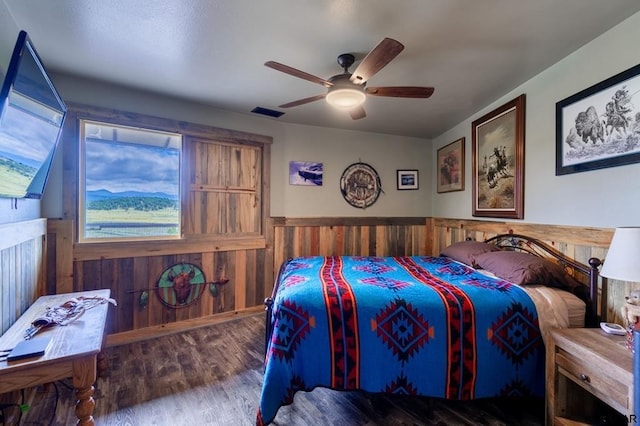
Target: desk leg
pixel 84 376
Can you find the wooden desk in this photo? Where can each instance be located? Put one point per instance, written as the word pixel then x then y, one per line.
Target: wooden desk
pixel 72 353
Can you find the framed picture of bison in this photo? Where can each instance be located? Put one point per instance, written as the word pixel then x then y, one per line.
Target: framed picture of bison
pixel 451 167
pixel 498 161
pixel 599 127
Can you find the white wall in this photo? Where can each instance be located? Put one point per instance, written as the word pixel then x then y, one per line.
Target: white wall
pixel 335 148
pixel 601 198
pixel 8 36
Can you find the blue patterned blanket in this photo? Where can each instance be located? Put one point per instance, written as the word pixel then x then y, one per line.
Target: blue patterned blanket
pixel 405 325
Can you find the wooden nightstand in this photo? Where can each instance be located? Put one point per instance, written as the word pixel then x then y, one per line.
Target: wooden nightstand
pixel 597 363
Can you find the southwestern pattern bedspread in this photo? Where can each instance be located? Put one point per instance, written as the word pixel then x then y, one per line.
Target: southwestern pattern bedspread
pixel 405 325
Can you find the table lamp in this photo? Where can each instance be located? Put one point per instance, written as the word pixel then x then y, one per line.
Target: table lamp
pixel 623 259
pixel 623 263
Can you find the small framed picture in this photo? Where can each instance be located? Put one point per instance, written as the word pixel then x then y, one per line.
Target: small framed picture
pixel 451 167
pixel 305 173
pixel 407 179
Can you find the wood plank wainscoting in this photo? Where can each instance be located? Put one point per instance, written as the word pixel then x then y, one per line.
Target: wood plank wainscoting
pixel 22 274
pixel 137 267
pixel 389 236
pixel 22 268
pixel 251 266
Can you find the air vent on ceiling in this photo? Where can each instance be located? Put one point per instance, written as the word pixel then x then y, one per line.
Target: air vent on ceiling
pixel 267 111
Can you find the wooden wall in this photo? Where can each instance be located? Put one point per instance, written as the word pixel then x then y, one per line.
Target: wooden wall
pixel 250 265
pixel 392 236
pixel 128 273
pixel 21 268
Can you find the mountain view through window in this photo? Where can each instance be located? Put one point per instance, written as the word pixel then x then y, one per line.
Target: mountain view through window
pixel 130 181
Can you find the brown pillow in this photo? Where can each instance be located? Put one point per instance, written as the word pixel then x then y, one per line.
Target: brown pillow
pixel 524 268
pixel 465 251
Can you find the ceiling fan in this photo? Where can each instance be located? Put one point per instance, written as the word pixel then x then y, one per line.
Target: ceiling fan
pixel 348 90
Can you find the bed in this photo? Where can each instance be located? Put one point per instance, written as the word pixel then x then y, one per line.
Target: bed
pixel 468 324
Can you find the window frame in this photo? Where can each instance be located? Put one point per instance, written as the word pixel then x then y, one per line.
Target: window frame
pixel 82 208
pixel 186 244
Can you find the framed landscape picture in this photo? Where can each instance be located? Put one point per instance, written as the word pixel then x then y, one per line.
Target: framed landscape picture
pixel 450 165
pixel 600 126
pixel 498 161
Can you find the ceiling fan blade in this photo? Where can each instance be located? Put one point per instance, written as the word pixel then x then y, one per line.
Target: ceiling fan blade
pixel 357 113
pixel 401 91
pixel 297 73
pixel 302 101
pixel 377 59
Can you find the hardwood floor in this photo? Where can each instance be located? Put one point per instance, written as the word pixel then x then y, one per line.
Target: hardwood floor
pixel 212 376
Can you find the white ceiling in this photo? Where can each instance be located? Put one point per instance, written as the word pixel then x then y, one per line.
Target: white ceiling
pixel 213 51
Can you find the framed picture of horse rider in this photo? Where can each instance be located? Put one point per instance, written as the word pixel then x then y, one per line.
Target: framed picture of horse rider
pixel 498 161
pixel 599 126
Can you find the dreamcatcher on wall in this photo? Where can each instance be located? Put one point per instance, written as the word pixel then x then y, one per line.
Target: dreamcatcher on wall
pixel 181 285
pixel 360 185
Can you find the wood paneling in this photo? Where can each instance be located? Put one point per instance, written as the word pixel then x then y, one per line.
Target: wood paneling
pixel 22 268
pixel 450 230
pixel 251 268
pixel 295 237
pixel 136 267
pixel 224 188
pixel 128 277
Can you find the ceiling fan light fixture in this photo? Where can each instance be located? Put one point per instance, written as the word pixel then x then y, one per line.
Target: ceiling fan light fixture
pixel 345 97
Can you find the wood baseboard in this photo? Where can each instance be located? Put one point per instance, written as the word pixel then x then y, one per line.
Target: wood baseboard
pixel 177 327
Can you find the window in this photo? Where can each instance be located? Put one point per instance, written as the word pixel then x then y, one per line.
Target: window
pixel 129 186
pixel 191 188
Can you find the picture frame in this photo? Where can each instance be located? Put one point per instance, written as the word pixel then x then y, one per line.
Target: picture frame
pixel 407 179
pixel 450 167
pixel 498 161
pixel 307 173
pixel 599 127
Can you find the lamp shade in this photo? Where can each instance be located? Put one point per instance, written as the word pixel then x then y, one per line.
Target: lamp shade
pixel 343 94
pixel 623 258
pixel 345 98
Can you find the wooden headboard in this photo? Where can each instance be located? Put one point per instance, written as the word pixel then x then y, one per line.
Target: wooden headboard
pixel 586 274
